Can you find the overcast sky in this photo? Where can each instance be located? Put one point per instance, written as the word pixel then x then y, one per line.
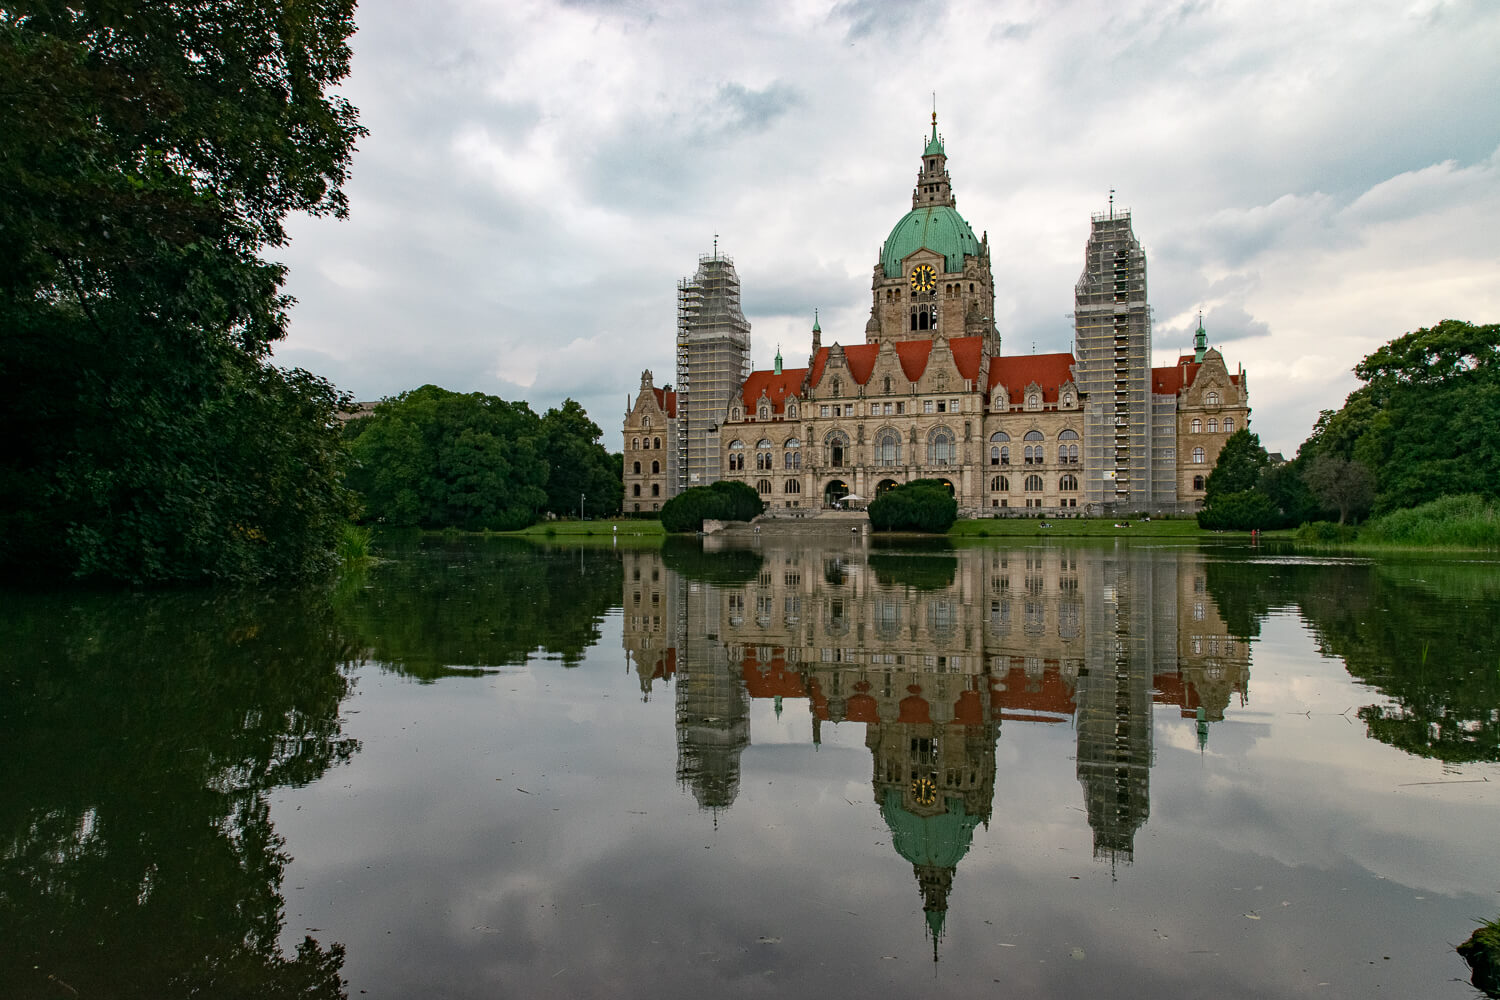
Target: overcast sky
pixel 1317 177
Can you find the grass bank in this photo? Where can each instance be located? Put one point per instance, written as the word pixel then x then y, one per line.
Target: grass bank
pixel 1461 522
pixel 621 528
pixel 1082 527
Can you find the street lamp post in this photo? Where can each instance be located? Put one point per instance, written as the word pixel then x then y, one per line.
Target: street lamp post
pixel 580 506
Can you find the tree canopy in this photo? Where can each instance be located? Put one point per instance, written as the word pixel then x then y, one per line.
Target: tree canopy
pixel 920 505
pixel 149 155
pixel 438 459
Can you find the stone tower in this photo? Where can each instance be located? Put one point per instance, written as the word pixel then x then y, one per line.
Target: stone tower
pixel 1112 342
pixel 933 278
pixel 713 360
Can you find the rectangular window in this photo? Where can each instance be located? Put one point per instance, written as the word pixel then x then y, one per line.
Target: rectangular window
pixel 900 407
pixel 889 409
pixel 927 406
pixel 942 406
pixel 823 411
pixel 952 406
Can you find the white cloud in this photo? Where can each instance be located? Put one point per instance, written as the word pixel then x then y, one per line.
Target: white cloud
pixel 1317 178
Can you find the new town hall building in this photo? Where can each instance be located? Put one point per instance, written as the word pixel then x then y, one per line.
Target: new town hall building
pixel 930 395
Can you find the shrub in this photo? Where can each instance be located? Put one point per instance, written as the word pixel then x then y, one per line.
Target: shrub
pixel 1469 521
pixel 1326 533
pixel 920 505
pixel 1246 510
pixel 725 501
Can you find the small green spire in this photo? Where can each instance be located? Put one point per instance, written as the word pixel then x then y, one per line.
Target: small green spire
pixel 1200 340
pixel 934 144
pixel 778 359
pixel 816 327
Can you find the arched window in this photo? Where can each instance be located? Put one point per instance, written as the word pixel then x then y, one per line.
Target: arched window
pixel 1196 426
pixel 1212 399
pixel 734 414
pixel 635 490
pixel 763 457
pixel 636 468
pixel 888 448
pixel 655 468
pixel 887 385
pixel 836 388
pixel 1035 454
pixel 791 458
pixel 1033 483
pixel 791 411
pixel 736 455
pixel 1000 484
pixel 1198 483
pixel 940 447
pixel 1067 400
pixel 1033 402
pixel 1213 427
pixel 656 444
pixel 635 444
pixel 1228 425
pixel 1067 448
pixel 1198 455
pixel 1068 483
pixel 838 448
pixel 645 421
pixel 792 486
pixel 999 455
pixel 656 489
pixel 763 487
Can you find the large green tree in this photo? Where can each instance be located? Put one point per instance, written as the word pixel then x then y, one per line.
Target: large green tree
pixel 149 155
pixel 1423 422
pixel 439 459
pixel 580 472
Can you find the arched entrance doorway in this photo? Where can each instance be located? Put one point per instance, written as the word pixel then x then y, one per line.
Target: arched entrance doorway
pixel 885 486
pixel 949 484
pixel 834 492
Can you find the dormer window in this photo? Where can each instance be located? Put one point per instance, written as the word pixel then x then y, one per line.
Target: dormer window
pixel 1212 399
pixel 1067 399
pixel 734 414
pixel 1034 402
pixel 765 413
pixel 791 411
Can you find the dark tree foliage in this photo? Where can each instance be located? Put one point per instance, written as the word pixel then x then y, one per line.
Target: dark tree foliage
pixel 578 466
pixel 439 459
pixel 920 571
pixel 1239 468
pixel 722 501
pixel 727 567
pixel 149 154
pixel 1244 511
pixel 920 505
pixel 442 607
pixel 1396 634
pixel 1423 423
pixel 1340 484
pixel 144 743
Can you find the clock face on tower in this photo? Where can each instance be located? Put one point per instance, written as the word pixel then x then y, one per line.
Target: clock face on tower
pixel 924 790
pixel 923 278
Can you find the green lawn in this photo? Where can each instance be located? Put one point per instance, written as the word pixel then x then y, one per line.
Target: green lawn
pixel 572 529
pixel 1027 527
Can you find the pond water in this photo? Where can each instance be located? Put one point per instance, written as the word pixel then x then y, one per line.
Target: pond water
pixel 489 768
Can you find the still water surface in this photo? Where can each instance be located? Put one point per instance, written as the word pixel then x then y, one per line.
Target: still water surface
pixel 494 769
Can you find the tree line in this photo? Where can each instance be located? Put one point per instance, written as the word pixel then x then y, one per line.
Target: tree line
pixel 1419 431
pixel 149 157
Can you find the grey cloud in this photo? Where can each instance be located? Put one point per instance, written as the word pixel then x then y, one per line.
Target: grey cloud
pixel 870 17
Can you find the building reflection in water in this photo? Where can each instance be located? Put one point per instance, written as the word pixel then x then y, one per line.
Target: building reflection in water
pixel 932 652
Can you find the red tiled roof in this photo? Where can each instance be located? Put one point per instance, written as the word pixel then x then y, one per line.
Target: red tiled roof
pixel 913 355
pixel 1171 381
pixel 1017 371
pixel 777 387
pixel 966 355
pixel 667 400
pixel 861 359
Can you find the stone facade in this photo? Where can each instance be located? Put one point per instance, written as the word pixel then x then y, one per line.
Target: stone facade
pixel 651 465
pixel 930 395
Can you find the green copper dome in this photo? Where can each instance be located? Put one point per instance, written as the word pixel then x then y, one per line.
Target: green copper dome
pixel 939 841
pixel 938 228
